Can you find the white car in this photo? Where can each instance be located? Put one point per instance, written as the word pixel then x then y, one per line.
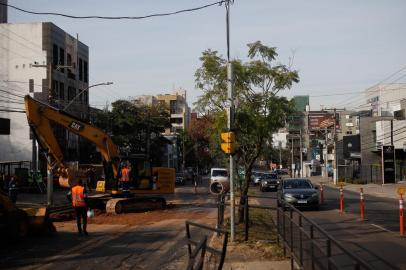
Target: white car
pixel 219 175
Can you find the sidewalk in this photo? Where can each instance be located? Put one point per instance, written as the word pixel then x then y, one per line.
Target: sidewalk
pixel 384 191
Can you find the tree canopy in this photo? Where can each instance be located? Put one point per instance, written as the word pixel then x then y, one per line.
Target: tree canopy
pixel 259 111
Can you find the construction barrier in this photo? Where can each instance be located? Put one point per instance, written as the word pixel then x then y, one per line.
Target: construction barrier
pixel 401 218
pixel 341 199
pixel 362 206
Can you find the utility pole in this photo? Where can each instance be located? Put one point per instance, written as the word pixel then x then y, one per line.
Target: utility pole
pixel 280 155
pixel 292 164
pixel 230 119
pixel 326 156
pixel 335 150
pixel 301 154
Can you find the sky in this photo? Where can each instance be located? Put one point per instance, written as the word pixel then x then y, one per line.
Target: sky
pixel 340 48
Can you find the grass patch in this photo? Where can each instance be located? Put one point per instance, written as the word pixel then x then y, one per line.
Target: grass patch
pixel 261 244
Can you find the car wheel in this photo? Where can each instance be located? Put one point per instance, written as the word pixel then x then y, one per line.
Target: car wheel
pixel 316 207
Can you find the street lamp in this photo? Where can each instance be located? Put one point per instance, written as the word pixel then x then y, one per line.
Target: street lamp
pixel 73 99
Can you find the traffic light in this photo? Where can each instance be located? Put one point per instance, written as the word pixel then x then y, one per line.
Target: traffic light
pixel 228 142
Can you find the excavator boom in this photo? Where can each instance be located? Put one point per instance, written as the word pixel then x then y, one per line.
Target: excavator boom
pixel 41 115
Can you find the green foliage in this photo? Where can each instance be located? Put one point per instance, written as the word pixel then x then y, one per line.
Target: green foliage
pixel 130 126
pixel 259 111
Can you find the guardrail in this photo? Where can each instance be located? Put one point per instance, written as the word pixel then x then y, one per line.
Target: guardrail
pixel 221 254
pixel 308 245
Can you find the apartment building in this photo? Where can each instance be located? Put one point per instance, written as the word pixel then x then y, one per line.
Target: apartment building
pixel 41 60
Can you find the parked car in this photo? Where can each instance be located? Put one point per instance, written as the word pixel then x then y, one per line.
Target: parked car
pixel 300 192
pixel 180 179
pixel 269 181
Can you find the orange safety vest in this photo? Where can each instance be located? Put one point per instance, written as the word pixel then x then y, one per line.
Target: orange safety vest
pixel 125 175
pixel 78 196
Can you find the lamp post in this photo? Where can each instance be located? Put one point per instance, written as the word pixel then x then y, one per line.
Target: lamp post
pixel 83 90
pixel 50 177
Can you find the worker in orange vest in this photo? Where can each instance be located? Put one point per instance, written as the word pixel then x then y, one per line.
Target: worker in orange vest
pixel 78 197
pixel 125 180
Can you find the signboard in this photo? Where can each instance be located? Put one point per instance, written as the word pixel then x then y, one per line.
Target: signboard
pixel 388 164
pixel 321 120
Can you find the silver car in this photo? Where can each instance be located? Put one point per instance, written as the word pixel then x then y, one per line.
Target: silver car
pixel 300 192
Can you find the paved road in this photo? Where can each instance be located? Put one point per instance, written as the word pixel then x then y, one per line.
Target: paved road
pixel 376 240
pixel 157 245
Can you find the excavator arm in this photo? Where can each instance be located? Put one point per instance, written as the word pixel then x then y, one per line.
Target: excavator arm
pixel 41 115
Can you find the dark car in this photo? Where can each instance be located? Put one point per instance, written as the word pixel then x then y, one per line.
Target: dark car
pixel 180 179
pixel 300 192
pixel 269 181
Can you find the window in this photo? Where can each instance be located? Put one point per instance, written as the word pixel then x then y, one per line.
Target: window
pixel 86 72
pixel 80 69
pixel 4 126
pixel 55 55
pixel 31 85
pixel 71 93
pixel 172 105
pixel 55 85
pixel 68 59
pixel 61 91
pixel 62 59
pixel 85 98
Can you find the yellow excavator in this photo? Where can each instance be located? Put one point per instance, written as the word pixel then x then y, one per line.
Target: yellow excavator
pixel 41 118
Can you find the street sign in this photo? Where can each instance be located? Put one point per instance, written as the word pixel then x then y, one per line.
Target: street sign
pixel 388 164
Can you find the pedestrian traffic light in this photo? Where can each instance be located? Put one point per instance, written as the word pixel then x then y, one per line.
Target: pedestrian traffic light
pixel 228 142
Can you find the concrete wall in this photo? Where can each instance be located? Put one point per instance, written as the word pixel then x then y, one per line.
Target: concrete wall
pixel 20 46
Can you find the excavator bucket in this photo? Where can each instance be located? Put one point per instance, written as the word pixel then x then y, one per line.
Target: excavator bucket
pixel 19 222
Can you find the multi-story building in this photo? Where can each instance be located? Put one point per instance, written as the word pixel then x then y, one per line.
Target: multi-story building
pixel 41 60
pixel 178 108
pixel 3 11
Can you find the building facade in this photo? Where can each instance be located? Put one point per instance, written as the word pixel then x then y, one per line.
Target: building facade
pixel 41 60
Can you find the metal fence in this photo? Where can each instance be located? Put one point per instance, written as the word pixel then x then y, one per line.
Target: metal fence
pixel 217 256
pixel 307 244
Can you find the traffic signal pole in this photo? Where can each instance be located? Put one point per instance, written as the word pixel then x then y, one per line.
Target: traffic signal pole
pixel 230 120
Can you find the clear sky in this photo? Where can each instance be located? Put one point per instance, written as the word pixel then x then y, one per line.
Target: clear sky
pixel 338 46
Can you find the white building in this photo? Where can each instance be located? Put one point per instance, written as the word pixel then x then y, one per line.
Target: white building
pixel 384 100
pixel 21 46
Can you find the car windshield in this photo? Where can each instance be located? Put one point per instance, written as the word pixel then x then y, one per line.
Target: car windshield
pixel 270 176
pixel 297 184
pixel 219 173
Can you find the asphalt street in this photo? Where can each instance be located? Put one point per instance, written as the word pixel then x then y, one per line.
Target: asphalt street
pixel 159 244
pixel 375 240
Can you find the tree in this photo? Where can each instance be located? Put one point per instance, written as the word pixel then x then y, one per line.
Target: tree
pixel 133 127
pixel 260 112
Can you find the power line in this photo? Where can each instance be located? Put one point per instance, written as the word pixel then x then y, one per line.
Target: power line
pixel 114 17
pixel 377 84
pixel 15 111
pixel 1 90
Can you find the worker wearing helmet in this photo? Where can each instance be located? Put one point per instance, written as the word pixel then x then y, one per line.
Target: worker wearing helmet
pixel 125 179
pixel 78 197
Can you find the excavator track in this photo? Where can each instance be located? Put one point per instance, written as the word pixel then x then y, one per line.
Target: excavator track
pixel 137 204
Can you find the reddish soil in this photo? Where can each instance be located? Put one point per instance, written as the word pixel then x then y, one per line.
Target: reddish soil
pixel 170 213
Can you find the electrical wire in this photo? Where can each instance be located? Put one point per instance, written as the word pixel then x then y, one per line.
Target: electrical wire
pixel 5 91
pixel 114 17
pixel 13 111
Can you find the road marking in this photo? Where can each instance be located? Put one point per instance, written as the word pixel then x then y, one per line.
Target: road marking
pixel 380 227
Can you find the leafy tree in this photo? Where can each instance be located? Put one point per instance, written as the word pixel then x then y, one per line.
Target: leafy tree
pixel 132 127
pixel 259 111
